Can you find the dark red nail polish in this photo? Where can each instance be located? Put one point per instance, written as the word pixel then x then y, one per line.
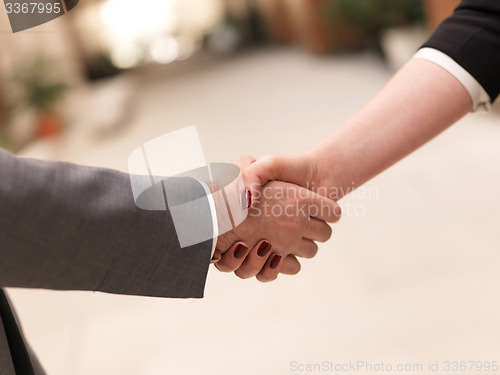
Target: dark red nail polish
pixel 240 250
pixel 275 261
pixel 248 197
pixel 263 249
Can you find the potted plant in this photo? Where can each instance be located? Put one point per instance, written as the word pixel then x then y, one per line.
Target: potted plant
pixel 3 138
pixel 39 88
pixel 371 17
pixel 276 17
pixel 325 25
pixel 316 30
pixel 305 22
pixel 3 116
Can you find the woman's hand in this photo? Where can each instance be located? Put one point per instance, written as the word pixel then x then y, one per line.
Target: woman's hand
pixel 285 218
pixel 260 261
pixel 290 217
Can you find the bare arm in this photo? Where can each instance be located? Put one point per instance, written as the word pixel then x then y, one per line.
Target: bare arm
pixel 419 102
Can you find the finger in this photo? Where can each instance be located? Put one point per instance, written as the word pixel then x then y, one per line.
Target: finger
pixel 317 230
pixel 306 249
pixel 216 257
pixel 321 207
pixel 290 265
pixel 255 260
pixel 233 258
pixel 294 169
pixel 243 161
pixel 271 269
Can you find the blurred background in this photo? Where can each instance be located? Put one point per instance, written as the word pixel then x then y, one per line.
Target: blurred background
pixel 411 274
pixel 93 60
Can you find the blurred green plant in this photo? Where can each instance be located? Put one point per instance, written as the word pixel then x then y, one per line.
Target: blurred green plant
pixel 38 85
pixel 4 141
pixel 371 17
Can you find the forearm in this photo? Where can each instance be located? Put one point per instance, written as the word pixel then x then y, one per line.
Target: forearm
pixel 419 102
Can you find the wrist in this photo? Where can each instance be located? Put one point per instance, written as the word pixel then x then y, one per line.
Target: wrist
pixel 315 160
pixel 312 160
pixel 328 171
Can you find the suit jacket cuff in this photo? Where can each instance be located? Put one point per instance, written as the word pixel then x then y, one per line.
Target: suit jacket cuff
pixel 480 98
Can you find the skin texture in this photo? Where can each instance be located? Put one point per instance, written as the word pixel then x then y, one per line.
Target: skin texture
pixel 281 215
pixel 417 104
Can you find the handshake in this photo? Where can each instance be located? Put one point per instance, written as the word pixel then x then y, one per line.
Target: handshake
pixel 289 208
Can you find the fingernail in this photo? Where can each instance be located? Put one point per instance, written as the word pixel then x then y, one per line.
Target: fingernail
pixel 216 257
pixel 275 261
pixel 248 198
pixel 240 250
pixel 264 248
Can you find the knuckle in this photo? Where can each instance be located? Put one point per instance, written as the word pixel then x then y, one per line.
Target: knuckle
pixel 246 161
pixel 268 158
pixel 247 271
pixel 312 251
pixel 337 212
pixel 222 268
pixel 298 268
pixel 248 158
pixel 242 275
pixel 327 233
pixel 261 278
pixel 226 266
pixel 267 278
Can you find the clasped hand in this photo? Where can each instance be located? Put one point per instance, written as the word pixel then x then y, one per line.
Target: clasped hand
pixel 284 222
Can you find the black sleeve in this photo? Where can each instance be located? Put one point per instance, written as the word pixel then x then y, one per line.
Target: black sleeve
pixel 471 37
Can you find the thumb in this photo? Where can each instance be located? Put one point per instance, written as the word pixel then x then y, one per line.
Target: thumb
pixel 296 169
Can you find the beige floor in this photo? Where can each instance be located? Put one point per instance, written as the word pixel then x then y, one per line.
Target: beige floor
pixel 410 276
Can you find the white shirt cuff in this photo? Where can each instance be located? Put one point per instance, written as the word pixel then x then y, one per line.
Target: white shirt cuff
pixel 215 223
pixel 480 98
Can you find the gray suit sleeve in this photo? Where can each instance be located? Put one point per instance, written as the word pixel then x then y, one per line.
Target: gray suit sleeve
pixel 68 227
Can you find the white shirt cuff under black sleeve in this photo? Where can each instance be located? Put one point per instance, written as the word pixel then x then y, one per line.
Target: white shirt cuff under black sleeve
pixel 215 223
pixel 480 98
